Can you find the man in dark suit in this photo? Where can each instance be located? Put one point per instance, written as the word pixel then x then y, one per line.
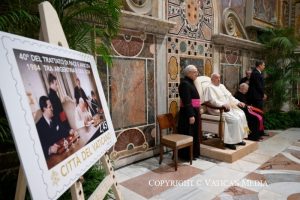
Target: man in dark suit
pixel 50 129
pixel 58 111
pixel 79 92
pixel 256 94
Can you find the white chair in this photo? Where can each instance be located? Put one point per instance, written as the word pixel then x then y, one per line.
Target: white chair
pixel 212 124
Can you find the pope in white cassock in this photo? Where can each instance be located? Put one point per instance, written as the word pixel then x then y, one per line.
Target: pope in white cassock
pixel 236 128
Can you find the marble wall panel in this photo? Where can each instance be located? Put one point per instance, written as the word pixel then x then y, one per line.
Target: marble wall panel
pixel 102 71
pixel 231 67
pixel 129 87
pixel 128 92
pixel 134 43
pixel 229 77
pixel 131 43
pixel 148 50
pixel 150 92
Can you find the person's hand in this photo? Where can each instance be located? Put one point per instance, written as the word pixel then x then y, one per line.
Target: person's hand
pixel 241 104
pixel 53 148
pixel 71 132
pixel 192 120
pixel 227 107
pixel 76 134
pixel 265 97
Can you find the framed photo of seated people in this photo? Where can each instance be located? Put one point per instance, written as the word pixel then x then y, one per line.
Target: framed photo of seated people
pixel 57 111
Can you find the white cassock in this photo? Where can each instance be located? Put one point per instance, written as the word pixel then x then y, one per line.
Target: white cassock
pixel 81 117
pixel 236 127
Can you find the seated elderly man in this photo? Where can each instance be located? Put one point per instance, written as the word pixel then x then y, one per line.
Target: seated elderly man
pixel 254 115
pixel 236 128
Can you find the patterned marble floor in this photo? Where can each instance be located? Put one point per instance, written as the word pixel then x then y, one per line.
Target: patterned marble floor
pixel 272 172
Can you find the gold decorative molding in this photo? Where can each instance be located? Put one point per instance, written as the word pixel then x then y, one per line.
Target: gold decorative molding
pixel 173 68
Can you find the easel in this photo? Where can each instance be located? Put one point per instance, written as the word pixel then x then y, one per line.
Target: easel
pixel 52 32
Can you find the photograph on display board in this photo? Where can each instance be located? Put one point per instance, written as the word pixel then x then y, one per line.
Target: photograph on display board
pixel 58 114
pixel 64 102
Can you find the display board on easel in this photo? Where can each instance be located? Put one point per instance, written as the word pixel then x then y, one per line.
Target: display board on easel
pixel 60 129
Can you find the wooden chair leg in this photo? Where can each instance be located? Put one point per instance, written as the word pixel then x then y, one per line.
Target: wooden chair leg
pixel 175 158
pixel 161 153
pixel 173 154
pixel 191 154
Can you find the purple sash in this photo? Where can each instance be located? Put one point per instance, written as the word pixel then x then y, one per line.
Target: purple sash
pixel 259 117
pixel 195 103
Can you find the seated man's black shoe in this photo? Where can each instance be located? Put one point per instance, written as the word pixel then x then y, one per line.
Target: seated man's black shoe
pixel 256 139
pixel 266 134
pixel 230 146
pixel 253 139
pixel 196 157
pixel 242 143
